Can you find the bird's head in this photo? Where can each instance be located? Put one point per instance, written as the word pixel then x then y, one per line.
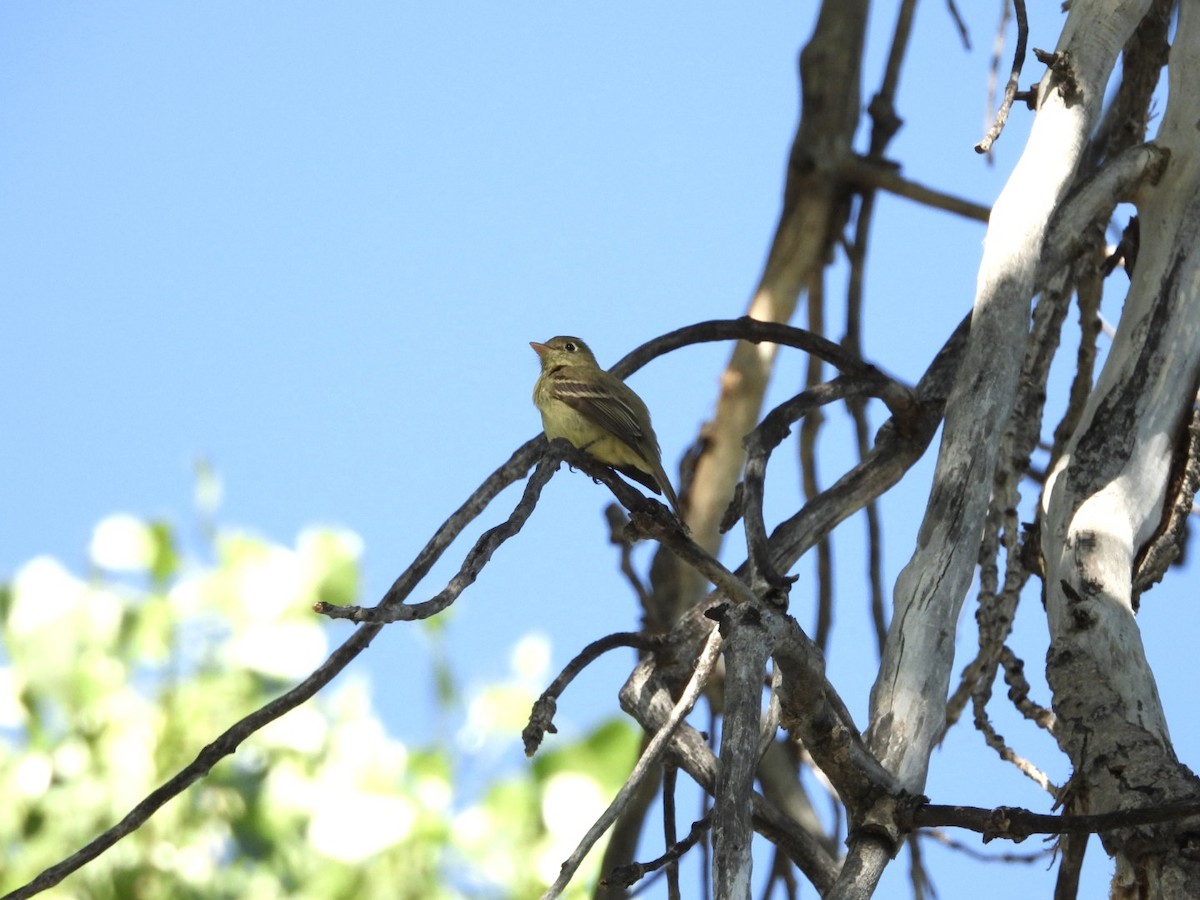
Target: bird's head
pixel 563 350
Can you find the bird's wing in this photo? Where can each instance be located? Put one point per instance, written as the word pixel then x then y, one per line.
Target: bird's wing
pixel 608 402
pixel 611 404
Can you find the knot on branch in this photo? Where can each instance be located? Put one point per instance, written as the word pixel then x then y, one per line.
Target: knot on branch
pixel 541 722
pixel 890 818
pixel 907 807
pixel 1065 80
pixel 773 588
pixel 1000 824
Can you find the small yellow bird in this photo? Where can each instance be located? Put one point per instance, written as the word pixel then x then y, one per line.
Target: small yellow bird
pixel 598 413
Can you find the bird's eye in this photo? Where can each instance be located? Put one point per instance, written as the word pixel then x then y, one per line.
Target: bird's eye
pixel 570 347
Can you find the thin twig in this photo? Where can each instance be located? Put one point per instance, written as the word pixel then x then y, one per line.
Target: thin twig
pixel 781 872
pixel 963 34
pixel 626 833
pixel 993 71
pixel 936 834
pixel 1019 689
pixel 388 611
pixel 1010 89
pixel 999 598
pixel 922 886
pixel 670 838
pixel 670 835
pixel 865 174
pixel 634 872
pixel 996 741
pixel 852 341
pixel 882 108
pixel 810 430
pixel 617 524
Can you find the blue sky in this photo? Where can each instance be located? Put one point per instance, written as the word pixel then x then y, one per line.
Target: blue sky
pixel 311 243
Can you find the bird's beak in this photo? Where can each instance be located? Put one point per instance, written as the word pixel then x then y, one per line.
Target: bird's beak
pixel 539 349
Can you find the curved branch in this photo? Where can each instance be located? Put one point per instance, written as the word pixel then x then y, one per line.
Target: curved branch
pixel 541 717
pixel 760 443
pixel 1010 89
pixel 627 875
pixel 892 392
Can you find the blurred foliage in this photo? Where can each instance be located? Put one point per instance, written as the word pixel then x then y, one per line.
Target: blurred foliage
pixel 113 681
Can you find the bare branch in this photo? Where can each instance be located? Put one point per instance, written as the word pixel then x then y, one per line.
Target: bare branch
pixel 759 444
pixel 541 718
pixel 1015 824
pixel 908 699
pixel 882 108
pixel 908 705
pixel 996 741
pixel 1073 224
pixel 1105 499
pixel 670 839
pixel 628 875
pixel 941 837
pixel 998 601
pixel 618 523
pixel 391 609
pixel 881 176
pixel 1010 89
pixel 956 16
pixel 809 432
pixel 895 395
pixel 653 751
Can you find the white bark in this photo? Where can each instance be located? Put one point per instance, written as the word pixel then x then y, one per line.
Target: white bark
pixel 909 697
pixel 1105 498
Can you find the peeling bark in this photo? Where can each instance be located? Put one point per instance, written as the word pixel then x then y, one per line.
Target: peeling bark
pixel 1107 498
pixel 908 701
